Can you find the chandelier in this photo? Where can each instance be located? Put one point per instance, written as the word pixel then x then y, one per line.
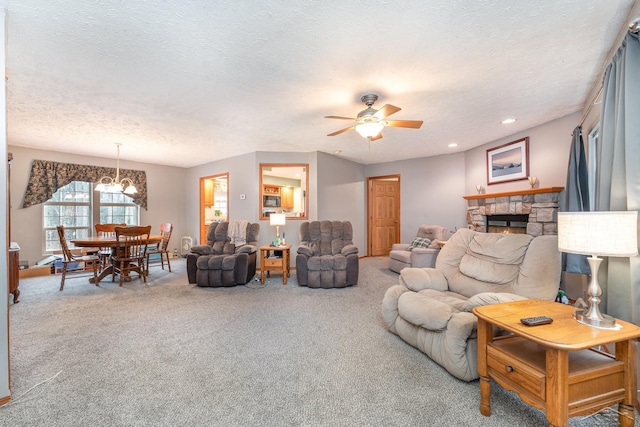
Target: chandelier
pixel 107 184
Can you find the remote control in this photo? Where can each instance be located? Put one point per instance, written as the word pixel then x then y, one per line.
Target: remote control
pixel 535 321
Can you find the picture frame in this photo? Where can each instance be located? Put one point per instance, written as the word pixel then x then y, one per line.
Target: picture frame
pixel 508 162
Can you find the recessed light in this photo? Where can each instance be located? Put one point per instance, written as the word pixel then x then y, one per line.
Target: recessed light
pixel 337 152
pixel 508 121
pixel 452 145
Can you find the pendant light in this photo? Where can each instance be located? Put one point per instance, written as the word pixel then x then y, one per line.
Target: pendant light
pixel 107 184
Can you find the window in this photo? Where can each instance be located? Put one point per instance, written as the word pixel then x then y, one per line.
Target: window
pixel 76 207
pixel 118 208
pixel 70 206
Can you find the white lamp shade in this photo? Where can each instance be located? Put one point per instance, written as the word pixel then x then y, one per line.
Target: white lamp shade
pixel 598 233
pixel 369 129
pixel 277 219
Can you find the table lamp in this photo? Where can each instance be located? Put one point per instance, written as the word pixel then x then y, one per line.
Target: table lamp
pixel 597 233
pixel 277 220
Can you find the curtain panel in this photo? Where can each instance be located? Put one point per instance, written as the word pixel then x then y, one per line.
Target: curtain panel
pixel 47 177
pixel 618 174
pixel 576 196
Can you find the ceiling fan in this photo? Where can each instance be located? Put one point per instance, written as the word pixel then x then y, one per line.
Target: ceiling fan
pixel 369 122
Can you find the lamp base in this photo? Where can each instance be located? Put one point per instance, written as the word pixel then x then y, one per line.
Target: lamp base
pixel 605 322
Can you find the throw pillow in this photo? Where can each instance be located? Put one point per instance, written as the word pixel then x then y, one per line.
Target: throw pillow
pixel 419 242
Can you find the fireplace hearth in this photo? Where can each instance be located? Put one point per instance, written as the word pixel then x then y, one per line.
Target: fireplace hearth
pixel 532 211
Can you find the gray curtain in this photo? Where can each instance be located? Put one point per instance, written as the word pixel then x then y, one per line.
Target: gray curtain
pixel 618 172
pixel 576 196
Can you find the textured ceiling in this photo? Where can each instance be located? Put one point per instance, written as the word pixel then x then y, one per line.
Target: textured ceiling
pixel 187 82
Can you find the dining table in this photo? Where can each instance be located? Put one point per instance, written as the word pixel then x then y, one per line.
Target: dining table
pixel 107 242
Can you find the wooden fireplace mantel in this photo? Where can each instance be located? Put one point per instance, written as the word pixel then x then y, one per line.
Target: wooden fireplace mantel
pixel 514 193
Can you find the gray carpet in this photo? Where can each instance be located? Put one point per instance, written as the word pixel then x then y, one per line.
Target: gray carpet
pixel 173 354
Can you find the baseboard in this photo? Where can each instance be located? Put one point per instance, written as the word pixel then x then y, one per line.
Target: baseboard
pixel 4 400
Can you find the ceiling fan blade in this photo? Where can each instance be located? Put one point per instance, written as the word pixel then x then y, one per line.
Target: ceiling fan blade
pixel 339 117
pixel 386 110
pixel 341 131
pixel 414 124
pixel 378 136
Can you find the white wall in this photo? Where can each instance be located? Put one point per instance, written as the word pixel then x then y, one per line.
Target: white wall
pixel 342 196
pixel 549 146
pixel 4 273
pixel 165 197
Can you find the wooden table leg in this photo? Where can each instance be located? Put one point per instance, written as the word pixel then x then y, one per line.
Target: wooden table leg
pixel 285 266
pixel 262 266
pixel 484 337
pixel 626 353
pixel 557 387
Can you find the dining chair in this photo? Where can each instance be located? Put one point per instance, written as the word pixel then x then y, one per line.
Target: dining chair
pixel 108 230
pixel 68 259
pixel 131 252
pixel 162 248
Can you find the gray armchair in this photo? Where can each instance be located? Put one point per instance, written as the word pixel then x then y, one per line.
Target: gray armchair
pixel 327 257
pixel 405 255
pixel 220 262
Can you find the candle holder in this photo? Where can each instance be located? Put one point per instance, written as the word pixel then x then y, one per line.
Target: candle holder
pixel 479 188
pixel 532 180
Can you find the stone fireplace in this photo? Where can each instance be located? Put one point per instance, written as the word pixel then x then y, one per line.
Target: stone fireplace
pixel 506 212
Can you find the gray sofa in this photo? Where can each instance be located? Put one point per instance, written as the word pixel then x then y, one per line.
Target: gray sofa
pixel 220 262
pixel 431 307
pixel 403 255
pixel 327 257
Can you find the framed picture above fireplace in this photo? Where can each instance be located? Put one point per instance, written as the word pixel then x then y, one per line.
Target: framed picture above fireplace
pixel 508 162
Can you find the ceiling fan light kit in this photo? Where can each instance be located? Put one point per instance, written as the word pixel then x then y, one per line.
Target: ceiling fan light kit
pixel 369 129
pixel 370 122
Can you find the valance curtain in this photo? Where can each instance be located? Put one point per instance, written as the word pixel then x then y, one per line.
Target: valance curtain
pixel 47 176
pixel 576 196
pixel 618 174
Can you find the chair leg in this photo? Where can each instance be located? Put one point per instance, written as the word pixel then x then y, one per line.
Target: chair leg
pixel 64 274
pixel 168 262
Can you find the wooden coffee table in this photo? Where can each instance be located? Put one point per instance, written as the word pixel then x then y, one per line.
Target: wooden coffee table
pixel 556 367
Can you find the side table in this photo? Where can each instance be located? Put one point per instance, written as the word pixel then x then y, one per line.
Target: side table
pixel 269 262
pixel 555 367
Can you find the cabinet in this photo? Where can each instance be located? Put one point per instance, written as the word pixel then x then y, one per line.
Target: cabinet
pixel 286 194
pixel 271 190
pixel 208 193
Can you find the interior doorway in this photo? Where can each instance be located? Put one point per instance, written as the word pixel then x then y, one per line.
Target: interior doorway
pixel 214 201
pixel 383 214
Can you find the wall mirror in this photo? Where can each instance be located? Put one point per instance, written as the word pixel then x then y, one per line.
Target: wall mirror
pixel 214 201
pixel 284 188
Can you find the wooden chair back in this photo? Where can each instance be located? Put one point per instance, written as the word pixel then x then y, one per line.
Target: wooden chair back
pixel 66 252
pixel 133 240
pixel 166 228
pixel 107 229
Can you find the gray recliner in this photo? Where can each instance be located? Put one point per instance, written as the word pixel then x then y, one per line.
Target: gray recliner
pixel 431 308
pixel 327 257
pixel 220 262
pixel 403 255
